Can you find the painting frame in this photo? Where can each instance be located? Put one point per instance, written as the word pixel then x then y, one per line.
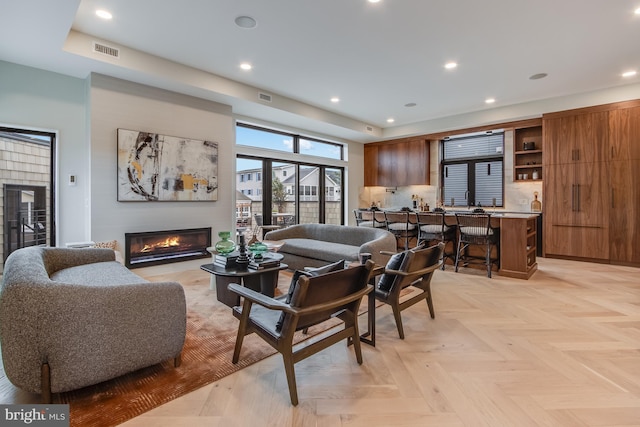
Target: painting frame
pixel 154 167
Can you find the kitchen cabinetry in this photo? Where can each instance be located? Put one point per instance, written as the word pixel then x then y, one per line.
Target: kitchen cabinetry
pixel 397 163
pixel 527 158
pixel 592 183
pixel 624 218
pixel 518 243
pixel 576 185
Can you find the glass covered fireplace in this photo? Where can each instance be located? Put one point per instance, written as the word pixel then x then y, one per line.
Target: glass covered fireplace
pixel 162 247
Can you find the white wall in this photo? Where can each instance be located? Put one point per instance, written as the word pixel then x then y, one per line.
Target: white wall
pixel 41 100
pixel 117 104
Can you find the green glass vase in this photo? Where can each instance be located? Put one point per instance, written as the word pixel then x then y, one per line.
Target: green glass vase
pixel 225 246
pixel 258 249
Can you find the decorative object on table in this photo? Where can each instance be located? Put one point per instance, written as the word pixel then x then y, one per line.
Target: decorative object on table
pixel 227 260
pixel 257 249
pixel 154 167
pixel 226 245
pixel 254 238
pixel 243 259
pixel 264 262
pixel 536 205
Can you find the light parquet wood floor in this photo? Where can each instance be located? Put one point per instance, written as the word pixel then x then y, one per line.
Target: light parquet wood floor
pixel 561 349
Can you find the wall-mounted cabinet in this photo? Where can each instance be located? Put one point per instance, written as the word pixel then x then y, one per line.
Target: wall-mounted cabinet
pixel 527 152
pixel 397 163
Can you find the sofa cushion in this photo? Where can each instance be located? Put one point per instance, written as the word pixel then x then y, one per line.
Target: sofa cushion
pixel 98 274
pixel 320 249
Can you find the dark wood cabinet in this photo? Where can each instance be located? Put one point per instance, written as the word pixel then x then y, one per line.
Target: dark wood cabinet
pixel 397 163
pixel 518 244
pixel 592 183
pixel 576 186
pixel 624 218
pixel 624 223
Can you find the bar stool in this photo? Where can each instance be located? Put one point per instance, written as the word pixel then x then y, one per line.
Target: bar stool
pixel 403 225
pixel 475 229
pixel 432 227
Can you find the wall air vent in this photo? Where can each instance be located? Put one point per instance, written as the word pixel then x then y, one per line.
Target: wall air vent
pixel 264 97
pixel 106 50
pixel 368 128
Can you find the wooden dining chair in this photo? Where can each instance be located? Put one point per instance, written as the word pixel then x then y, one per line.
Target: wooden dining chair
pixel 314 300
pixel 413 268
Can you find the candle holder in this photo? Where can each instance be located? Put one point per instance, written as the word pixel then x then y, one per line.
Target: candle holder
pixel 243 259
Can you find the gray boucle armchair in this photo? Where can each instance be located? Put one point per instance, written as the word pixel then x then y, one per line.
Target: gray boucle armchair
pixel 70 318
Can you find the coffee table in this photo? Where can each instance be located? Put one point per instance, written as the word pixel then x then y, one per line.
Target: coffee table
pixel 264 281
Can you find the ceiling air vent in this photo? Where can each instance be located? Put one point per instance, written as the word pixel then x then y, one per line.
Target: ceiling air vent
pixel 264 97
pixel 106 50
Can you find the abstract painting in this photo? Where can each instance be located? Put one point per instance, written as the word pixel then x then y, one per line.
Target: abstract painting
pixel 154 167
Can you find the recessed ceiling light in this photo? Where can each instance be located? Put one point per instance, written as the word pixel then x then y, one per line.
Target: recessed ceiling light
pixel 246 66
pixel 335 99
pixel 374 1
pixel 637 11
pixel 391 120
pixel 411 104
pixel 490 100
pixel 629 73
pixel 245 22
pixel 538 76
pixel 450 65
pixel 103 14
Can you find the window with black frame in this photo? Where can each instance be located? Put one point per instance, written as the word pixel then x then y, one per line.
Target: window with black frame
pixel 472 170
pixel 289 192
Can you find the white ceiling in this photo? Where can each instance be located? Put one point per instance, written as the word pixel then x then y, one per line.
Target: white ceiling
pixel 375 57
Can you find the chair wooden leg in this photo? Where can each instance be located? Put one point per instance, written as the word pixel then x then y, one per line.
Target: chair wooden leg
pixel 177 361
pixel 356 341
pixel 430 305
pixel 45 383
pixel 290 372
pixel 242 330
pixel 398 317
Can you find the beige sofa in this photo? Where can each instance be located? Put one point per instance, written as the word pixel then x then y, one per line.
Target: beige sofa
pixel 70 318
pixel 315 245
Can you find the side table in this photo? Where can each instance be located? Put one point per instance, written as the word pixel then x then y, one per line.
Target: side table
pixel 264 281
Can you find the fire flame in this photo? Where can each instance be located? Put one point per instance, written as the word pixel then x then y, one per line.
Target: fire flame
pixel 167 243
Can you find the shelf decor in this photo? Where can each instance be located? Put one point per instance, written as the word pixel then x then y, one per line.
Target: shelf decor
pixel 155 167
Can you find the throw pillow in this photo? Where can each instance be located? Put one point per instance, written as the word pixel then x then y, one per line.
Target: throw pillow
pixel 111 244
pixel 386 280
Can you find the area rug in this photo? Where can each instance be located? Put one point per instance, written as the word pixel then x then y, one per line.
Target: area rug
pixel 210 339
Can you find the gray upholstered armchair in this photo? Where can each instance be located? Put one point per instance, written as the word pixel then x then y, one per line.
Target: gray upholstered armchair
pixel 70 318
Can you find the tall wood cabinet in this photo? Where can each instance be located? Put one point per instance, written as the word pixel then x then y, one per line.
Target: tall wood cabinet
pixel 592 183
pixel 624 218
pixel 397 163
